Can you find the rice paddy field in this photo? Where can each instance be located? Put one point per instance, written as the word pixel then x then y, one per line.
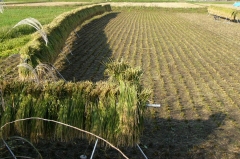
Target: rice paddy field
pixel 190 61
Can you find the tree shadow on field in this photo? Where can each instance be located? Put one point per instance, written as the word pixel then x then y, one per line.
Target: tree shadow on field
pixel 87 51
pixel 171 138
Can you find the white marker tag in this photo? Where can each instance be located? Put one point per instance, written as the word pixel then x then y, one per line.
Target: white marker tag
pixel 153 105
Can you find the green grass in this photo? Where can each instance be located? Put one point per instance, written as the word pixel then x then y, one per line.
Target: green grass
pixel 13 15
pixel 12 39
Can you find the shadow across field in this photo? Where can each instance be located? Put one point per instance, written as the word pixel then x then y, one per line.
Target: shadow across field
pixel 89 50
pixel 171 138
pixel 162 138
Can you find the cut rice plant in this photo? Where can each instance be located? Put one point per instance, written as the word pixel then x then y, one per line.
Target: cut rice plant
pixel 46 73
pixel 41 73
pixel 30 71
pixel 223 12
pixel 127 107
pixel 111 109
pixel 120 70
pixel 115 69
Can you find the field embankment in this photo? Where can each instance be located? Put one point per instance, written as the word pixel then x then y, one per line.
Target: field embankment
pixel 37 51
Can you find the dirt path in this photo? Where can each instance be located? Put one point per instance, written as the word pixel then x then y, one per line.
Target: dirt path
pixel 116 4
pixel 47 4
pixel 162 4
pixel 129 4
